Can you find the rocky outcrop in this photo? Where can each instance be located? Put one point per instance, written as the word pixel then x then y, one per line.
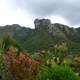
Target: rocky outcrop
pixel 42 23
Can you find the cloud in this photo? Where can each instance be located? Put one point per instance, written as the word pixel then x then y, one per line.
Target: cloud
pixel 68 9
pixel 58 19
pixel 24 12
pixel 10 14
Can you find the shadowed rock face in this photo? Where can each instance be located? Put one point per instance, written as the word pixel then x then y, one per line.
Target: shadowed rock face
pixel 41 23
pixel 54 29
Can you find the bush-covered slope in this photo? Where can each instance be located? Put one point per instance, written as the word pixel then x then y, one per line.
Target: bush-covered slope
pixel 44 36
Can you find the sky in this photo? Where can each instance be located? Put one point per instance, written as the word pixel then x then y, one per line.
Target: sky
pixel 24 12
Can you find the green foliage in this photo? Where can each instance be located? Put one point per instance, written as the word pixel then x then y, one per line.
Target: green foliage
pixel 61 51
pixel 34 40
pixel 4 72
pixel 8 42
pixel 61 72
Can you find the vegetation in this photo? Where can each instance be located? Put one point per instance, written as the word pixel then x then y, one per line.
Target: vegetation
pixel 61 72
pixel 41 54
pixel 45 37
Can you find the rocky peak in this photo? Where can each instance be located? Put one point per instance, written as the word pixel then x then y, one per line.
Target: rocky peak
pixel 41 23
pixel 12 27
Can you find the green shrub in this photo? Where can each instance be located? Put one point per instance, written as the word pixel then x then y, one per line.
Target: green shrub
pixel 57 73
pixel 4 72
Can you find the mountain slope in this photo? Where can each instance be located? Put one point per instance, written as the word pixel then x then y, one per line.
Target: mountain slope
pixel 44 36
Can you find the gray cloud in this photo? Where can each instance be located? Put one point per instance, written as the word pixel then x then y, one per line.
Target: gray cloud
pixel 69 9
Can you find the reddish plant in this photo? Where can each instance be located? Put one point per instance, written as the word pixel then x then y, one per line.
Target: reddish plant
pixel 22 67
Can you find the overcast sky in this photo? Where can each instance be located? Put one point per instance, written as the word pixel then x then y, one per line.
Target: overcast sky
pixel 24 12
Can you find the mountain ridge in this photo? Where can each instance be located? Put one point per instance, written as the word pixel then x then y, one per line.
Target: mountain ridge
pixel 44 36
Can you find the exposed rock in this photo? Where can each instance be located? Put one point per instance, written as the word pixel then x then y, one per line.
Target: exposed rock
pixel 41 23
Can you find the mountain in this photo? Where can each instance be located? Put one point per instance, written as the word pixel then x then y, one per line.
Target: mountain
pixel 44 36
pixel 16 31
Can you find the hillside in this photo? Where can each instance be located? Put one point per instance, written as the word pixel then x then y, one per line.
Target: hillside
pixel 44 36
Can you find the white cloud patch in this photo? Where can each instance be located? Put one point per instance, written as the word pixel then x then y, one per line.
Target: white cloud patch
pixel 58 19
pixel 24 12
pixel 17 16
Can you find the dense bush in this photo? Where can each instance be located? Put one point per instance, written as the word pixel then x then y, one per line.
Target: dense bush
pixel 58 73
pixel 21 67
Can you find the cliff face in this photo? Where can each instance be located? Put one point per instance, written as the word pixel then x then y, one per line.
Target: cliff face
pixel 60 30
pixel 42 23
pixel 54 29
